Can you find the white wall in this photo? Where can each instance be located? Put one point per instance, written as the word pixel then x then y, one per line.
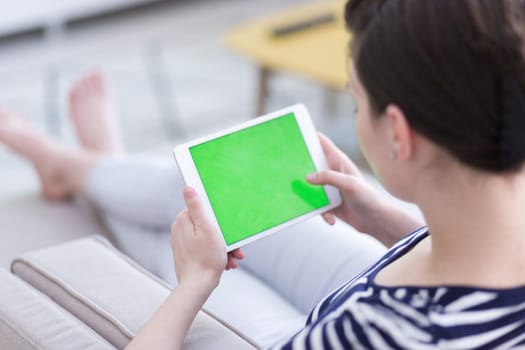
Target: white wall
pixel 19 15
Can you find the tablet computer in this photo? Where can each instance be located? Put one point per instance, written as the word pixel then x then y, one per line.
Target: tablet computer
pixel 251 178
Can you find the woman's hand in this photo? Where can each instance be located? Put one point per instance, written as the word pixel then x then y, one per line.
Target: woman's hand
pixel 198 249
pixel 200 257
pixel 363 207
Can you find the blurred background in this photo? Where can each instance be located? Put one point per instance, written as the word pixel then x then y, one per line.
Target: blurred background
pixel 178 69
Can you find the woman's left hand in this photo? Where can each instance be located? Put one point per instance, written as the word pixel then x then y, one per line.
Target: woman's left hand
pixel 198 248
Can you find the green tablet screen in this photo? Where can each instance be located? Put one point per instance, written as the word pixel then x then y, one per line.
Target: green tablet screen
pixel 255 178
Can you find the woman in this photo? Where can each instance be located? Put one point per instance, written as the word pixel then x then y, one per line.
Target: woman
pixel 440 87
pixel 139 197
pixel 440 90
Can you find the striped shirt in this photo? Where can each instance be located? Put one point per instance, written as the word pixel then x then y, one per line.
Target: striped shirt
pixel 364 315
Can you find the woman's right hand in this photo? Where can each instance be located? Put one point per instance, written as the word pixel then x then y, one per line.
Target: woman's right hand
pixel 363 207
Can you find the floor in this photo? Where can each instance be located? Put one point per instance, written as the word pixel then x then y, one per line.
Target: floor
pixel 172 79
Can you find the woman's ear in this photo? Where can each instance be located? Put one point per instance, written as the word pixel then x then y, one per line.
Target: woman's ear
pixel 400 133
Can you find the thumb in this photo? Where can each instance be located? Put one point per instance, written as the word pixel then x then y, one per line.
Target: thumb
pixel 337 159
pixel 195 208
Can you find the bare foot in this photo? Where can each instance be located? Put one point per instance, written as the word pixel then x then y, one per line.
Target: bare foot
pixel 63 172
pixel 93 115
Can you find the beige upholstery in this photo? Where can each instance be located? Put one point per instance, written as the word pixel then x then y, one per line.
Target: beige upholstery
pixel 29 320
pixel 110 293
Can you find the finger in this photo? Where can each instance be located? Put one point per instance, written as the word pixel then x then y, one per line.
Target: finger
pixel 180 216
pixel 232 263
pixel 227 266
pixel 182 223
pixel 330 177
pixel 237 254
pixel 183 215
pixel 329 218
pixel 337 159
pixel 195 208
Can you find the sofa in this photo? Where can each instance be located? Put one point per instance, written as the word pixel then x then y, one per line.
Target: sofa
pixel 85 294
pixel 65 286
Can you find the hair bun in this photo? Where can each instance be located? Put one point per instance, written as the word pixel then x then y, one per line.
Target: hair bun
pixel 512 129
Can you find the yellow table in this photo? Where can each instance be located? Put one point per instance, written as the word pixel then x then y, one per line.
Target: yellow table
pixel 319 53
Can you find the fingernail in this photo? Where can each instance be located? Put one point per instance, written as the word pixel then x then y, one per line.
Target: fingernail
pixel 311 177
pixel 189 192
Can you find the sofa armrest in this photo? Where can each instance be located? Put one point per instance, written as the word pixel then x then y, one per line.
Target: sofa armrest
pixel 112 294
pixel 29 320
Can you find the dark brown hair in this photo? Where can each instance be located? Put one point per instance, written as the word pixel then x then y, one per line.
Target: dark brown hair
pixel 455 67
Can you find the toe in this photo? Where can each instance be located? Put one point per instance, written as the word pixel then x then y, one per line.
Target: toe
pixel 97 82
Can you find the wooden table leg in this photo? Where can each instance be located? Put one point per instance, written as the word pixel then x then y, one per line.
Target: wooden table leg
pixel 262 89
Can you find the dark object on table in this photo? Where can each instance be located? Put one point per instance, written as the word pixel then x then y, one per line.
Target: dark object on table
pixel 295 27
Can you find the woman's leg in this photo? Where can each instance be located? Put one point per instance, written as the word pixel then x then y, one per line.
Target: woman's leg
pixel 134 196
pixel 138 191
pixel 142 191
pixel 138 200
pixel 63 171
pixel 307 261
pixel 150 248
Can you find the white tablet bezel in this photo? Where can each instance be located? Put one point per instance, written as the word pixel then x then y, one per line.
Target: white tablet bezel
pixel 191 176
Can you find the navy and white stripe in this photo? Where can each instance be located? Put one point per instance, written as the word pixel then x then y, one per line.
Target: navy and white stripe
pixel 363 315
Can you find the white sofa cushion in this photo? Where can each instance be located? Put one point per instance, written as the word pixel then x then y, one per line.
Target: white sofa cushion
pixel 112 294
pixel 29 320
